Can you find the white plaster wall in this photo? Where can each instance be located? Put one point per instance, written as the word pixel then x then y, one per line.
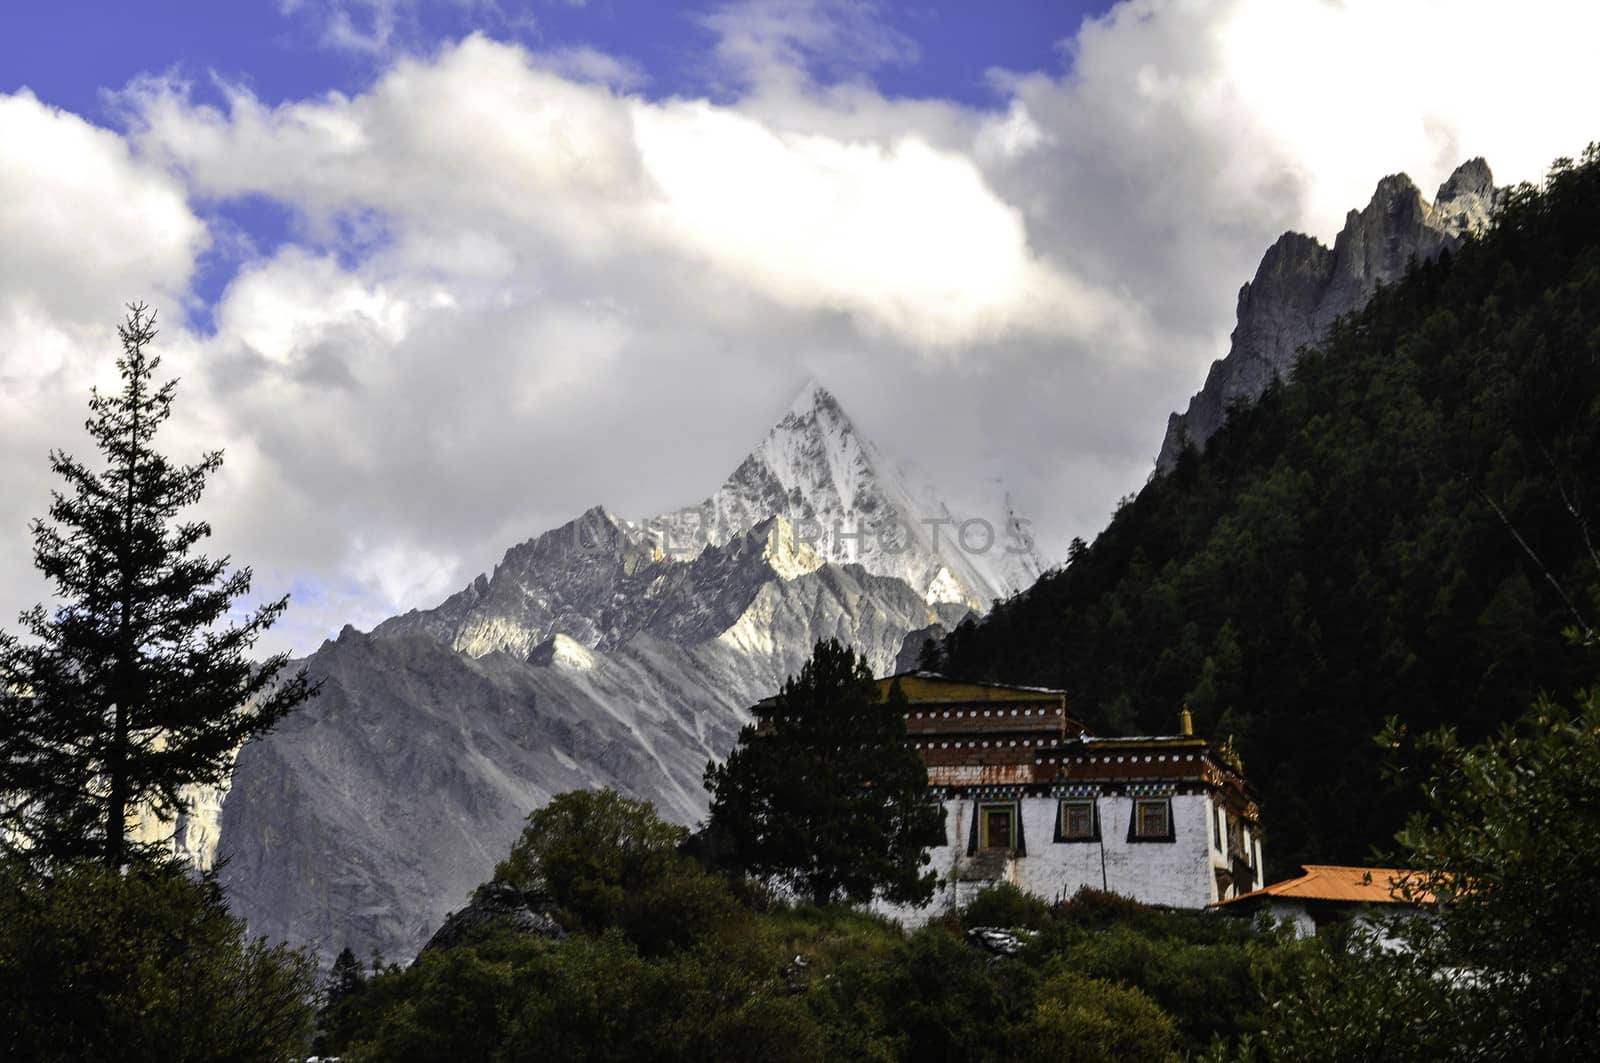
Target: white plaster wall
pixel 1219 853
pixel 1294 913
pixel 1056 870
pixel 1177 873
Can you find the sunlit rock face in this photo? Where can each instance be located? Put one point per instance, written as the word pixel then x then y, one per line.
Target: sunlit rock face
pixel 1302 287
pixel 856 505
pixel 605 652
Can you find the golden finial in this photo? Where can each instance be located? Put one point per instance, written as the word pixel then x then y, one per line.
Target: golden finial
pixel 1185 722
pixel 1229 756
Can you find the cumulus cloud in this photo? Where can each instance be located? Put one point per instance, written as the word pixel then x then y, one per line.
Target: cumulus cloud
pixel 518 287
pixel 84 226
pixel 80 218
pixel 905 235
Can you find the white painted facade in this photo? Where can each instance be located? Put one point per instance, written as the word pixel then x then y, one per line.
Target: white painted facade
pixel 1032 798
pixel 1180 873
pixel 1380 922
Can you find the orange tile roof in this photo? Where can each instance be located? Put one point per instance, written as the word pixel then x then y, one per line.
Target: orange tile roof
pixel 1326 882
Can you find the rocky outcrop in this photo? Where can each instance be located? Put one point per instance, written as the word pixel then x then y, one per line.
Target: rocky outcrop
pixel 1302 287
pixel 909 659
pixel 496 907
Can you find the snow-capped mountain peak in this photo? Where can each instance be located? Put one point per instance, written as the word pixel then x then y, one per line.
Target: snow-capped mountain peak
pixel 852 504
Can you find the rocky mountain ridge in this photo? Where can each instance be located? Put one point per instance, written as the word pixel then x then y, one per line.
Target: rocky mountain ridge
pixel 815 490
pixel 594 654
pixel 1301 287
pixel 854 504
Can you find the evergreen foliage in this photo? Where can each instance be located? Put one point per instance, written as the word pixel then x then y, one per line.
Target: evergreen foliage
pixel 140 964
pixel 825 793
pixel 136 684
pixel 1402 529
pixel 815 984
pixel 345 980
pixel 589 851
pixel 1501 966
pixel 1508 844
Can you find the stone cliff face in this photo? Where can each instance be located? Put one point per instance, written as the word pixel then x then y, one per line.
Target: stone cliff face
pixel 599 582
pixel 591 656
pixel 1302 287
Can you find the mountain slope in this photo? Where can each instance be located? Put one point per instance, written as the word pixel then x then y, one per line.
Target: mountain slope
pixel 592 655
pixel 1302 287
pixel 597 581
pixel 366 817
pixel 1401 529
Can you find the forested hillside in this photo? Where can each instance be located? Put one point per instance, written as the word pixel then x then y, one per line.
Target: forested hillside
pixel 1403 529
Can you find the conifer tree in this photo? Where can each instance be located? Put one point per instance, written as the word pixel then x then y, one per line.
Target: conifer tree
pixel 345 980
pixel 824 793
pixel 136 683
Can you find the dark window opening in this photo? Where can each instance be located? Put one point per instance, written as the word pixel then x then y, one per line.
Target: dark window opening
pixel 1152 820
pixel 998 828
pixel 1078 822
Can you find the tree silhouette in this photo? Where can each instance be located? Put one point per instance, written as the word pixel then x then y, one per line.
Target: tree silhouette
pixel 137 682
pixel 824 792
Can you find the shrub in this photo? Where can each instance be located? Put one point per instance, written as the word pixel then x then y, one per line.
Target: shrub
pixel 146 964
pixel 589 849
pixel 1004 905
pixel 685 905
pixel 1078 1019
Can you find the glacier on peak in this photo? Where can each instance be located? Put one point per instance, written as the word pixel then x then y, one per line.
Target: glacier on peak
pixel 855 505
pixel 814 491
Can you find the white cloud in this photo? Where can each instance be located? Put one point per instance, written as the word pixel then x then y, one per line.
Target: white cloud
pixel 379 29
pixel 582 63
pixel 785 41
pixel 906 236
pixel 563 294
pixel 83 225
pixel 84 228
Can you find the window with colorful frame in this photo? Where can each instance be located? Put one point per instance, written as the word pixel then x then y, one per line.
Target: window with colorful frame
pixel 1076 821
pixel 1152 820
pixel 999 826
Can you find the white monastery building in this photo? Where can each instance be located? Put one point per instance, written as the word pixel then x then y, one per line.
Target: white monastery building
pixel 1032 798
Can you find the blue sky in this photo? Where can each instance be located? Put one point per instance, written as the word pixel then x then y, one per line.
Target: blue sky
pixel 442 274
pixel 70 52
pixel 78 56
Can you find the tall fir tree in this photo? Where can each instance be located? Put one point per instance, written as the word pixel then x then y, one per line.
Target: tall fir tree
pixel 824 792
pixel 137 683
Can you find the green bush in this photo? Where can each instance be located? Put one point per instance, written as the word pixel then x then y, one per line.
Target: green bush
pixel 589 849
pixel 141 965
pixel 669 964
pixel 1078 1019
pixel 945 1000
pixel 1004 905
pixel 683 906
pixel 451 1004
